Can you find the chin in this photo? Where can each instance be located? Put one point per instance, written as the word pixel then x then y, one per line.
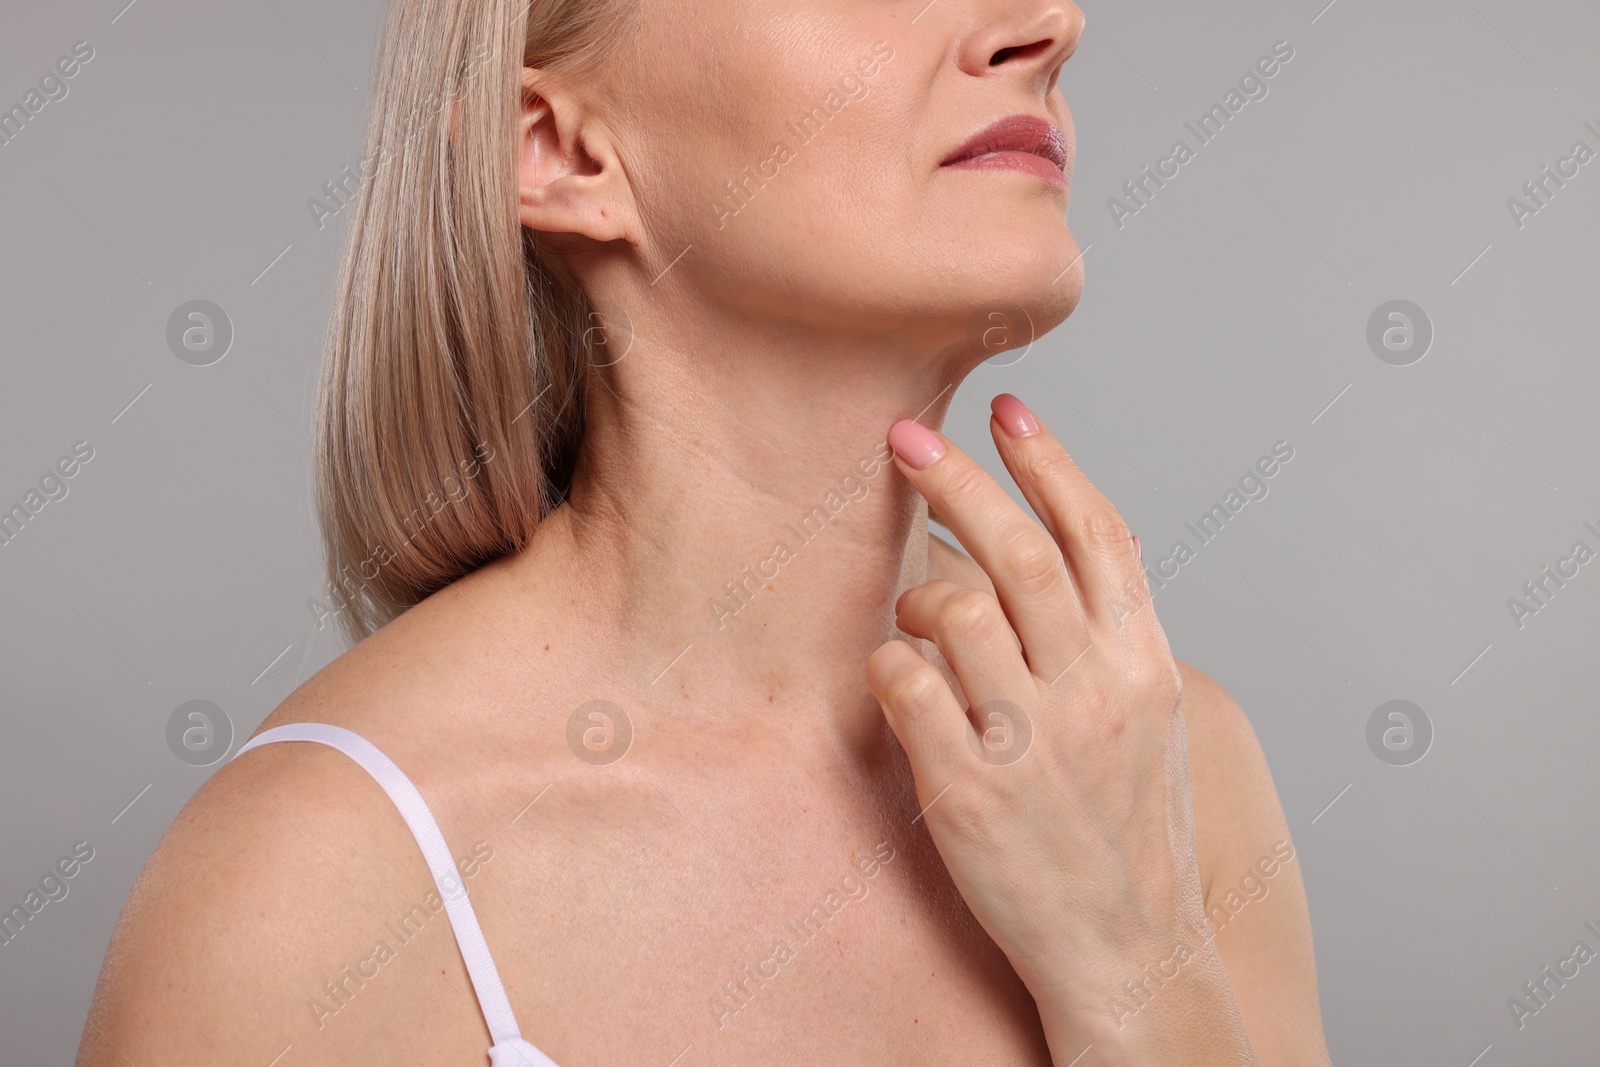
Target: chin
pixel 1011 301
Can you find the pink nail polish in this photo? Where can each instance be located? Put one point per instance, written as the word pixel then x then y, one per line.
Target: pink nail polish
pixel 915 443
pixel 1013 416
pixel 1137 547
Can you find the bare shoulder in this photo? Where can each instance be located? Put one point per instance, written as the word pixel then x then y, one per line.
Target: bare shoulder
pixel 265 917
pixel 1235 802
pixel 274 879
pixel 1255 898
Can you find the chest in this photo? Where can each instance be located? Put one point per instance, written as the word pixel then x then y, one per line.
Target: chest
pixel 810 933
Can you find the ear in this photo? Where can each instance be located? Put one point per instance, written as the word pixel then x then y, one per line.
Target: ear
pixel 569 180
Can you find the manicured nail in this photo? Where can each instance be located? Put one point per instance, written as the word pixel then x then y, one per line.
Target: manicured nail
pixel 1013 415
pixel 915 443
pixel 1137 547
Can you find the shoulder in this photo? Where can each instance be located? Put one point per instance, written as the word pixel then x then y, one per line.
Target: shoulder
pixel 1235 802
pixel 253 922
pixel 275 877
pixel 435 687
pixel 1254 893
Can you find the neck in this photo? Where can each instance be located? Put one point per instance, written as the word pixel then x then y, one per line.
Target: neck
pixel 737 521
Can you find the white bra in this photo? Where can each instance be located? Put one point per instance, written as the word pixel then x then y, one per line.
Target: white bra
pixel 509 1049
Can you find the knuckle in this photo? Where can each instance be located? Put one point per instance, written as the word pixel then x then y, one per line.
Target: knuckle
pixel 1131 602
pixel 1108 691
pixel 1104 528
pixel 1134 691
pixel 1156 678
pixel 968 614
pixel 909 604
pixel 915 689
pixel 1053 465
pixel 884 664
pixel 966 482
pixel 1142 675
pixel 1033 563
pixel 968 817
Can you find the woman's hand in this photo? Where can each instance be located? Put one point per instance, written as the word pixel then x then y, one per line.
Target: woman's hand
pixel 1058 795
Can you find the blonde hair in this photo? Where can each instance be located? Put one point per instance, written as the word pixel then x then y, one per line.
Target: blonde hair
pixel 450 404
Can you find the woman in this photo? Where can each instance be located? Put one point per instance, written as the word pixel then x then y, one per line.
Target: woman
pixel 647 309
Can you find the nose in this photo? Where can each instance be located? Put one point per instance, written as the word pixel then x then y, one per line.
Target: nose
pixel 1030 39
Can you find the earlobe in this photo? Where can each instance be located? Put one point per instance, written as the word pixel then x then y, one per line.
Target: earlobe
pixel 568 181
pixel 571 204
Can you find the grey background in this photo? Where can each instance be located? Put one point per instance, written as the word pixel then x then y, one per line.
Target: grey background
pixel 1228 314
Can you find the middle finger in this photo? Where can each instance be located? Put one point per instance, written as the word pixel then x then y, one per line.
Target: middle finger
pixel 1030 575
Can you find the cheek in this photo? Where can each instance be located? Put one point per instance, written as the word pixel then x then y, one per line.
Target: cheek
pixel 723 100
pixel 774 183
pixel 805 188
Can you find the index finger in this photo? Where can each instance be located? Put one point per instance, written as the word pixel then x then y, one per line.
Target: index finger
pixel 1031 578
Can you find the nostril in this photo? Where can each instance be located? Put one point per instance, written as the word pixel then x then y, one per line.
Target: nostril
pixel 1020 50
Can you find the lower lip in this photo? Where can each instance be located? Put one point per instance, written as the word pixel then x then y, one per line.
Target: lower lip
pixel 1026 162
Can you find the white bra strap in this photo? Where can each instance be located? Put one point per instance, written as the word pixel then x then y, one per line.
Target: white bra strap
pixel 469 937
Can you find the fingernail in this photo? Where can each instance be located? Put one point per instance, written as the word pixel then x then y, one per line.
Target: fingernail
pixel 915 443
pixel 1013 415
pixel 901 599
pixel 1137 547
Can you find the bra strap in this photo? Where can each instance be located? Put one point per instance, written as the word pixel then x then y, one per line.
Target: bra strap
pixel 469 937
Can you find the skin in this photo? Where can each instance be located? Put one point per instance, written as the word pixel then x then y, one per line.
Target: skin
pixel 782 751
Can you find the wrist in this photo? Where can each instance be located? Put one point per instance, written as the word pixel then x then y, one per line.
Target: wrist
pixel 1178 1010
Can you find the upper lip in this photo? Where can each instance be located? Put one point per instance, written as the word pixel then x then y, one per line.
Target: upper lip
pixel 1015 133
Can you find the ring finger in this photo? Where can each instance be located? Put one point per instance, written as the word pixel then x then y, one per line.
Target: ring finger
pixel 972 633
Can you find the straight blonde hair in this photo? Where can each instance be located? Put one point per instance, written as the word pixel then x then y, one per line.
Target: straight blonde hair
pixel 449 409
